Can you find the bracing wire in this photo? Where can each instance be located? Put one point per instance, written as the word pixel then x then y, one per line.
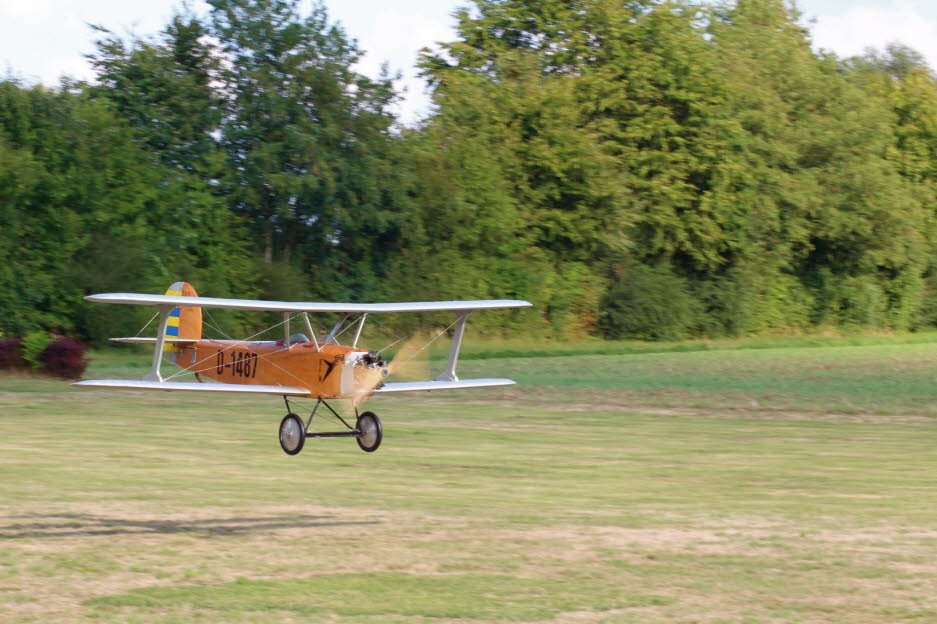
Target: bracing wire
pixel 434 339
pixel 264 357
pixel 215 325
pixel 421 349
pixel 346 327
pixel 147 324
pixel 183 371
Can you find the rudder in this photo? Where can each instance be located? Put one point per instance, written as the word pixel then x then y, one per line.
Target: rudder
pixel 184 322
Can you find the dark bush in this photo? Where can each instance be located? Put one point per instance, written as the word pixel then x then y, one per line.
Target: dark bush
pixel 926 317
pixel 649 303
pixel 11 354
pixel 65 358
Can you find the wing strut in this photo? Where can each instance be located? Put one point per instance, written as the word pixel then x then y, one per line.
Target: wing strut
pixel 311 331
pixel 331 336
pixel 360 327
pixel 449 374
pixel 160 340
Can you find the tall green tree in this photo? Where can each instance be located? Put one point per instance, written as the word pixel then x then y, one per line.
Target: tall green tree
pixel 85 207
pixel 307 141
pixel 900 78
pixel 72 183
pixel 828 227
pixel 553 204
pixel 163 89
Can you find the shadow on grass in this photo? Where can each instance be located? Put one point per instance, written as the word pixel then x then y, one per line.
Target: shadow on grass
pixel 72 525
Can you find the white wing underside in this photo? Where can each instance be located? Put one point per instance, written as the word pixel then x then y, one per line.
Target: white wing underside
pixel 413 386
pixel 298 306
pixel 184 386
pixel 188 386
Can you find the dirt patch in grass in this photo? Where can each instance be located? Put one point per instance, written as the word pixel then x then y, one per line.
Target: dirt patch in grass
pixel 88 551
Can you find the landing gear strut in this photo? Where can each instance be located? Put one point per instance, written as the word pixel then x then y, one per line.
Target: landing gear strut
pixel 367 431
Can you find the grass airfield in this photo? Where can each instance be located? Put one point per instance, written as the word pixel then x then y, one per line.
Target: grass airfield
pixel 784 483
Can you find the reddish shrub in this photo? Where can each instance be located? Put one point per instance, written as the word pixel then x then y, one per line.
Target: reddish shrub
pixel 65 358
pixel 11 354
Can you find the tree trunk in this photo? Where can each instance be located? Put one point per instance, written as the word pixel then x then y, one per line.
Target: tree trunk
pixel 268 245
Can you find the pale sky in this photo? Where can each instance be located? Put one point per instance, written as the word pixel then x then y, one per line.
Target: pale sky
pixel 43 39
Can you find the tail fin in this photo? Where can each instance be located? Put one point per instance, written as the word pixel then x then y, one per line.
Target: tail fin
pixel 184 322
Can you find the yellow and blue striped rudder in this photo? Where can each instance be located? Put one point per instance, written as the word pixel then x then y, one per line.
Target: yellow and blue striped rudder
pixel 184 322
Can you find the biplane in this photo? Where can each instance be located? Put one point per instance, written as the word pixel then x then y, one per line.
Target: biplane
pixel 298 365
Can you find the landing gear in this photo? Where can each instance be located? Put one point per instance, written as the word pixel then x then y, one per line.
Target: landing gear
pixel 370 432
pixel 292 434
pixel 367 431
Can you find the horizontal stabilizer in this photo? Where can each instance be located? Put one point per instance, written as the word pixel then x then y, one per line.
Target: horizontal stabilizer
pixel 167 340
pixel 181 386
pixel 298 306
pixel 412 386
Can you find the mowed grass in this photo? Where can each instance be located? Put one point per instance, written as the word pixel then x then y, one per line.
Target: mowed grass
pixel 733 485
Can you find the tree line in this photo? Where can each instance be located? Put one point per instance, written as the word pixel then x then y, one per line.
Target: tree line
pixel 635 168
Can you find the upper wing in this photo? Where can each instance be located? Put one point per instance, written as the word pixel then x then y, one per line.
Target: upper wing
pixel 297 306
pixel 125 384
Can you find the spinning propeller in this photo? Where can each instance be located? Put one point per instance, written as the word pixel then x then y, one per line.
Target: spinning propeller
pixel 410 361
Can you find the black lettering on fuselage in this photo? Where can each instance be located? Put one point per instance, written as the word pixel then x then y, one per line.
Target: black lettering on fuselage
pixel 242 364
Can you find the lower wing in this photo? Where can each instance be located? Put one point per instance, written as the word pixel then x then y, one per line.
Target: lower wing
pixel 411 386
pixel 180 386
pixel 184 386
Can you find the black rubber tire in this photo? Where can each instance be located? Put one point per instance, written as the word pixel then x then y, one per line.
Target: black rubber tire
pixel 371 432
pixel 299 426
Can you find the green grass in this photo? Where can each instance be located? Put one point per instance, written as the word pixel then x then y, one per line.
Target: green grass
pixel 490 349
pixel 790 484
pixel 465 596
pixel 896 379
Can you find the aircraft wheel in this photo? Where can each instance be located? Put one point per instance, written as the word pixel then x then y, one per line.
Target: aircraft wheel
pixel 292 434
pixel 371 432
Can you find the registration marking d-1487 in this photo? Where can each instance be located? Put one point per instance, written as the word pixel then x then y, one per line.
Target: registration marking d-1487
pixel 238 363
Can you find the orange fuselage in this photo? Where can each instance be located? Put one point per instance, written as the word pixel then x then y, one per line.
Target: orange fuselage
pixel 329 372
